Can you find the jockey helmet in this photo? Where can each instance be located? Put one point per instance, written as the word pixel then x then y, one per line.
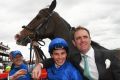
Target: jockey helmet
pixel 58 43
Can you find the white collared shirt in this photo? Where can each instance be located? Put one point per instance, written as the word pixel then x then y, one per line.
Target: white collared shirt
pixel 91 63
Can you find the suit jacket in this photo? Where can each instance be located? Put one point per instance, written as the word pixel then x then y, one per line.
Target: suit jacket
pixel 101 55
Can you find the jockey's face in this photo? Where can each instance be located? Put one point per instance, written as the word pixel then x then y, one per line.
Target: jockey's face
pixel 18 60
pixel 59 56
pixel 82 40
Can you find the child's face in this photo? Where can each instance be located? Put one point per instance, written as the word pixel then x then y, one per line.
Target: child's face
pixel 18 60
pixel 59 56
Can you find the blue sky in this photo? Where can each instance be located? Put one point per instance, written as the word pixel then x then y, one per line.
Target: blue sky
pixel 101 17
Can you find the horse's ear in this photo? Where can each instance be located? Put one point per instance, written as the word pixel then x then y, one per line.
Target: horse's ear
pixel 52 6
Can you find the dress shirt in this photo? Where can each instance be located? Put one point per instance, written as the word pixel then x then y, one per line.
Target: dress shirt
pixel 91 63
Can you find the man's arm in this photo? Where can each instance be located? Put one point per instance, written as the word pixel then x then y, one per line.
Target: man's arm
pixel 44 64
pixel 75 59
pixel 47 63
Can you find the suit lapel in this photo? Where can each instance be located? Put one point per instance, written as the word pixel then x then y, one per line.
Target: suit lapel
pixel 100 62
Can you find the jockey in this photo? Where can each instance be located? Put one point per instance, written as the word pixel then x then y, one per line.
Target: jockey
pixel 61 69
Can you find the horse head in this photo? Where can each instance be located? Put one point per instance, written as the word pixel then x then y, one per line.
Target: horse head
pixel 47 24
pixel 38 26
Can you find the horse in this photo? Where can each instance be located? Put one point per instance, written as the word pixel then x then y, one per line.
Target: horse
pixel 48 24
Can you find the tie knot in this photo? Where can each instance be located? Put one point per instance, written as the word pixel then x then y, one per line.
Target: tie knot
pixel 84 56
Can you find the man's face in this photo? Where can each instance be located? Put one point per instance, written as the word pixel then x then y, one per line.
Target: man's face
pixel 82 40
pixel 59 56
pixel 18 60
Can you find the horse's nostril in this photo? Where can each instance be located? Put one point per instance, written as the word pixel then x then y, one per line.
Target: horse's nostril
pixel 17 36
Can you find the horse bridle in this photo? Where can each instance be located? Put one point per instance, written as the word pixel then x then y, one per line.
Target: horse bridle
pixel 45 22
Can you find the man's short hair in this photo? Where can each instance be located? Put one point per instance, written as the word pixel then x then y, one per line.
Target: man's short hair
pixel 79 28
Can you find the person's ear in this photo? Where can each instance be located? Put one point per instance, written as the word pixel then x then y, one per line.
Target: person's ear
pixel 90 40
pixel 51 55
pixel 22 57
pixel 73 42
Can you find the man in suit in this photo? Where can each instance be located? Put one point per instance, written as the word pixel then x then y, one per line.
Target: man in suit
pixel 95 63
pixel 102 63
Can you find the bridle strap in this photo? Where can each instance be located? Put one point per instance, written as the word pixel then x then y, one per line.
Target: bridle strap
pixel 45 22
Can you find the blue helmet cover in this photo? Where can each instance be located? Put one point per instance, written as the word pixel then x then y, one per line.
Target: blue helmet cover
pixel 58 43
pixel 15 53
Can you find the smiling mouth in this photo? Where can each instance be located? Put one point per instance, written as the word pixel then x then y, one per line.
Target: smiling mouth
pixel 83 44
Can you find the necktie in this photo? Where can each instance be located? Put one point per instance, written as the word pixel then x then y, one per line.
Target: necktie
pixel 86 68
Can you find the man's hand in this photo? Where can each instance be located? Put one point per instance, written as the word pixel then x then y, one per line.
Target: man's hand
pixel 36 71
